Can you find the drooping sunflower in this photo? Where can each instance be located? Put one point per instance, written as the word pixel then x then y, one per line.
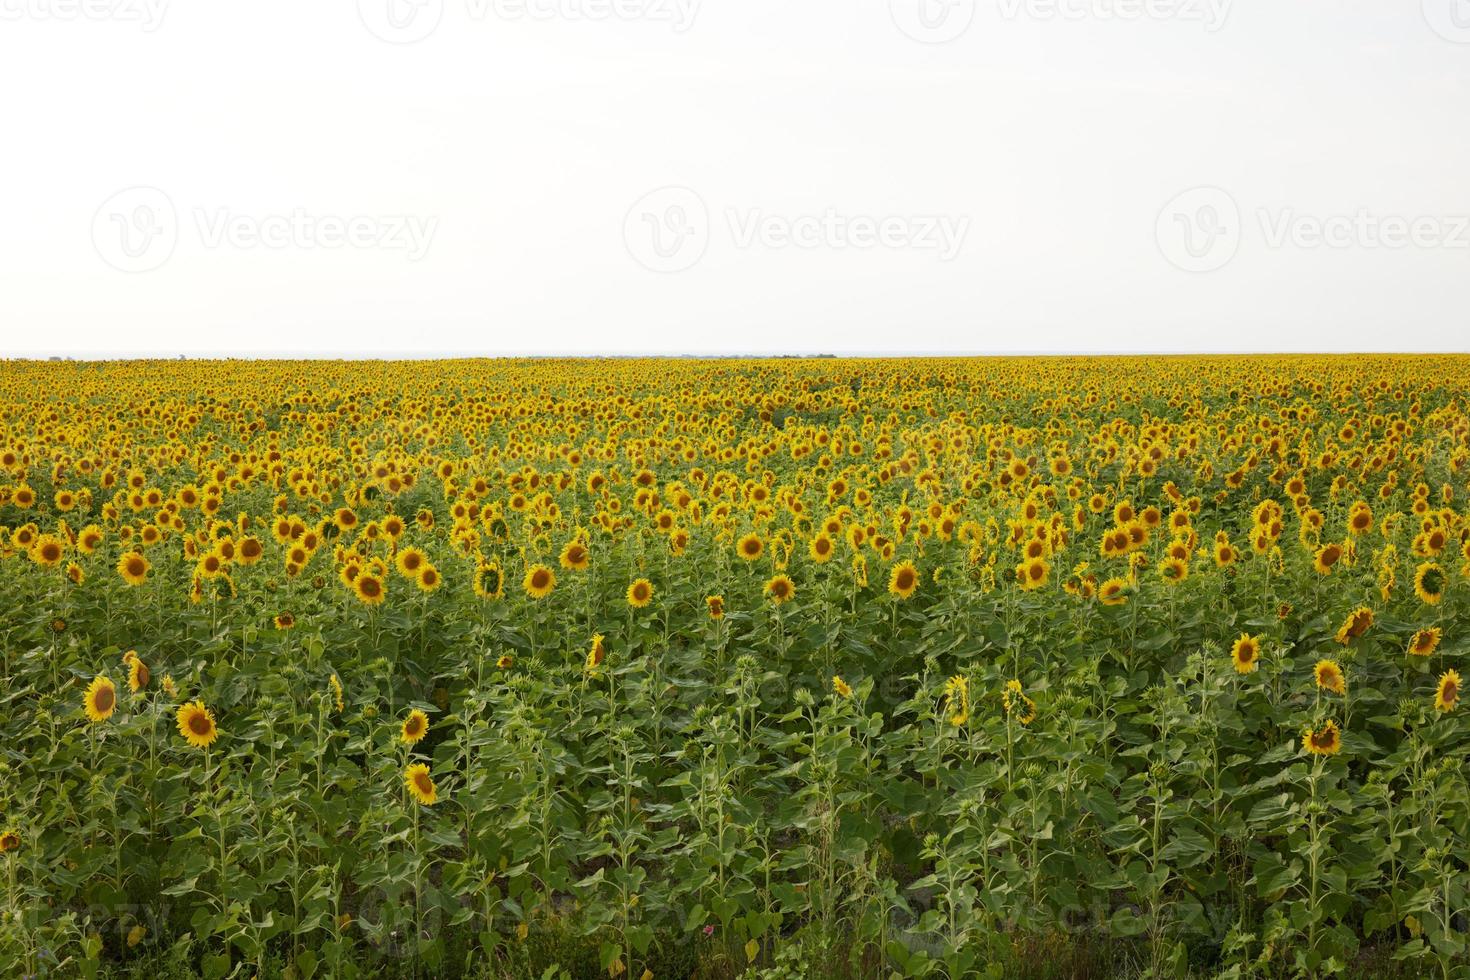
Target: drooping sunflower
pixel 640 593
pixel 369 589
pixel 138 674
pixel 750 547
pixel 489 581
pixel 415 727
pixel 597 654
pixel 1246 654
pixel 957 700
pixel 539 581
pixel 133 568
pixel 101 699
pixel 840 687
pixel 780 589
pixel 1326 740
pixel 420 784
pixel 1359 621
pixel 339 697
pixel 1017 704
pixel 1425 641
pixel 716 604
pixel 903 580
pixel 196 724
pixel 575 557
pixel 1429 583
pixel 1329 676
pixel 1447 694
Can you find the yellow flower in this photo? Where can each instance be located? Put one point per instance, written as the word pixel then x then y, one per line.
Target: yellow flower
pixel 1246 654
pixel 133 567
pixel 369 589
pixel 415 727
pixel 750 547
pixel 1447 695
pixel 196 724
pixel 1329 676
pixel 1114 592
pixel 1425 642
pixel 1429 583
pixel 539 581
pixel 9 841
pixel 597 654
pixel 575 557
pixel 716 604
pixel 420 785
pixel 1359 621
pixel 957 700
pixel 640 593
pixel 1326 740
pixel 780 589
pixel 903 580
pixel 841 687
pixel 101 699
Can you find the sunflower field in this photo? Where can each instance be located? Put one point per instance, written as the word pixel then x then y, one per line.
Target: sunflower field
pixel 735 668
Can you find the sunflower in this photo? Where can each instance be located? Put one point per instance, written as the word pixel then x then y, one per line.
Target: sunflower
pixel 640 593
pixel 409 561
pixel 338 695
pixel 1359 621
pixel 750 547
pixel 429 578
pixel 369 589
pixel 1033 573
pixel 1246 654
pixel 1113 592
pixel 285 621
pixel 957 700
pixel 539 581
pixel 196 724
pixel 597 654
pixel 138 675
pixel 1326 740
pixel 1329 676
pixel 821 549
pixel 1017 704
pixel 716 604
pixel 101 699
pixel 48 551
pixel 840 687
pixel 505 661
pixel 780 589
pixel 903 581
pixel 1429 583
pixel 1327 556
pixel 489 581
pixel 420 784
pixel 1447 695
pixel 575 557
pixel 1174 570
pixel 415 727
pixel 75 573
pixel 133 567
pixel 1425 641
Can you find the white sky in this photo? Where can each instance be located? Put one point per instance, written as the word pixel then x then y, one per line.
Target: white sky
pixel 524 150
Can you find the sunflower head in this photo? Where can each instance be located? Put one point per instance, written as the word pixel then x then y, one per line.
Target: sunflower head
pixel 420 784
pixel 1447 694
pixel 101 699
pixel 415 727
pixel 716 604
pixel 9 841
pixel 780 589
pixel 1329 676
pixel 1326 740
pixel 840 687
pixel 1245 654
pixel 196 724
pixel 539 581
pixel 640 593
